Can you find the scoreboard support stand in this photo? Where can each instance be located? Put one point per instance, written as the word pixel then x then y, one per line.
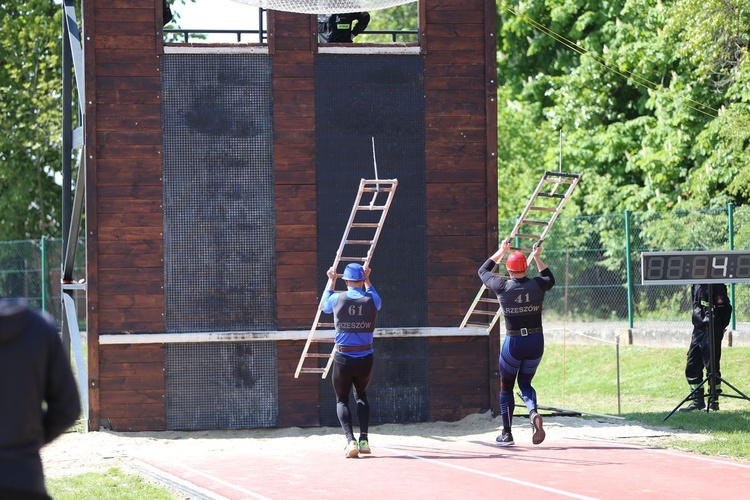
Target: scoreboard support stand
pixel 687 268
pixel 712 378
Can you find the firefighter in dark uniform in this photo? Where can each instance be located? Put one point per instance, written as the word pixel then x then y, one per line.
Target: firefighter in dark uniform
pixel 699 352
pixel 341 28
pixel 521 300
pixel 354 314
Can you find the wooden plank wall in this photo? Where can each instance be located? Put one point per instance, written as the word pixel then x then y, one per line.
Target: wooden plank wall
pixel 297 294
pixel 290 43
pixel 461 198
pixel 458 377
pixel 124 215
pixel 461 162
pixel 132 387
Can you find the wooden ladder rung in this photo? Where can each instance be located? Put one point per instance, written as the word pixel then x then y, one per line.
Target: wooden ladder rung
pixel 552 173
pixel 484 313
pixel 353 259
pixel 318 355
pixel 311 370
pixel 476 325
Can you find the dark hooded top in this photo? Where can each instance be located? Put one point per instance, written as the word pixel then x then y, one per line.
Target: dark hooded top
pixel 38 394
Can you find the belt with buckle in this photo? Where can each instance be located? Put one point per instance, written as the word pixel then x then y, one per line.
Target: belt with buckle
pixel 353 348
pixel 523 332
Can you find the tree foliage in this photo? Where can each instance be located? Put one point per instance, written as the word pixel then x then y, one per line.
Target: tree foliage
pixel 30 118
pixel 648 99
pixel 401 17
pixel 716 42
pixel 650 96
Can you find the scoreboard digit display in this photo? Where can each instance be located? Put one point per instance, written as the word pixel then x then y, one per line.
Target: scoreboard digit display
pixel 686 268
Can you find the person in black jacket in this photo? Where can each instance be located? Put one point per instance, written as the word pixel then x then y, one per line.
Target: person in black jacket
pixel 521 300
pixel 341 28
pixel 38 396
pixel 699 352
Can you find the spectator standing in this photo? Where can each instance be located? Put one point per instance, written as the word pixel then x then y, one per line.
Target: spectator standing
pixel 699 352
pixel 38 397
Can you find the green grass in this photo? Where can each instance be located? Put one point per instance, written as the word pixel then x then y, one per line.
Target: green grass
pixel 652 384
pixel 113 484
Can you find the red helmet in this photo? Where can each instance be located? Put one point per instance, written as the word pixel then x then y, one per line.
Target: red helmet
pixel 516 262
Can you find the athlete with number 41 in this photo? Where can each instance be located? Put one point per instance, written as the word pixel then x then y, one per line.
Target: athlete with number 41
pixel 521 300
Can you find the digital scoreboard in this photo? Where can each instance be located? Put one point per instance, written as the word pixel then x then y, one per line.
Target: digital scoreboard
pixel 686 268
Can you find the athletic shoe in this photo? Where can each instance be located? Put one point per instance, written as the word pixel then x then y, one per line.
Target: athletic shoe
pixel 352 450
pixel 713 405
pixel 364 447
pixel 505 439
pixel 536 423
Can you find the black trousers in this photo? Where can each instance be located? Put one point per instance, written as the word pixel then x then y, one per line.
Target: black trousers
pixel 699 355
pixel 348 373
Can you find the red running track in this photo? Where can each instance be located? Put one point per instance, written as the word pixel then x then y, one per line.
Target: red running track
pixel 566 468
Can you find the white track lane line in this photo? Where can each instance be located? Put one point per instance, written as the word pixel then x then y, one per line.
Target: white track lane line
pixel 662 451
pixel 214 479
pixel 225 483
pixel 488 474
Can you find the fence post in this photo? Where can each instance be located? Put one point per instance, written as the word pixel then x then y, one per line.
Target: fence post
pixel 628 270
pixel 730 229
pixel 44 273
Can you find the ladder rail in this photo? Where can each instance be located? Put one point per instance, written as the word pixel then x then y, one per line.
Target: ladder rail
pixel 568 193
pixel 383 215
pixel 530 204
pixel 337 258
pixel 365 186
pixel 473 306
pixel 557 179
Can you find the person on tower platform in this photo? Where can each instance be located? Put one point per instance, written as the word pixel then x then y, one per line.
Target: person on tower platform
pixel 341 28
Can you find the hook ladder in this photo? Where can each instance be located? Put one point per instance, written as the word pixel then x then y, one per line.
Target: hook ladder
pixel 553 190
pixel 357 245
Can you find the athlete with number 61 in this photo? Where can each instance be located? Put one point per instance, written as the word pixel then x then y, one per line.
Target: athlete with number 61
pixel 521 300
pixel 354 314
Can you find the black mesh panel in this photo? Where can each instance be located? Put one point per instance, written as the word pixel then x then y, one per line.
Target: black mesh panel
pixel 221 385
pixel 399 391
pixel 358 98
pixel 218 192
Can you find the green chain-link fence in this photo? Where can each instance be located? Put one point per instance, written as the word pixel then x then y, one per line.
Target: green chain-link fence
pixel 596 261
pixel 597 265
pixel 32 269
